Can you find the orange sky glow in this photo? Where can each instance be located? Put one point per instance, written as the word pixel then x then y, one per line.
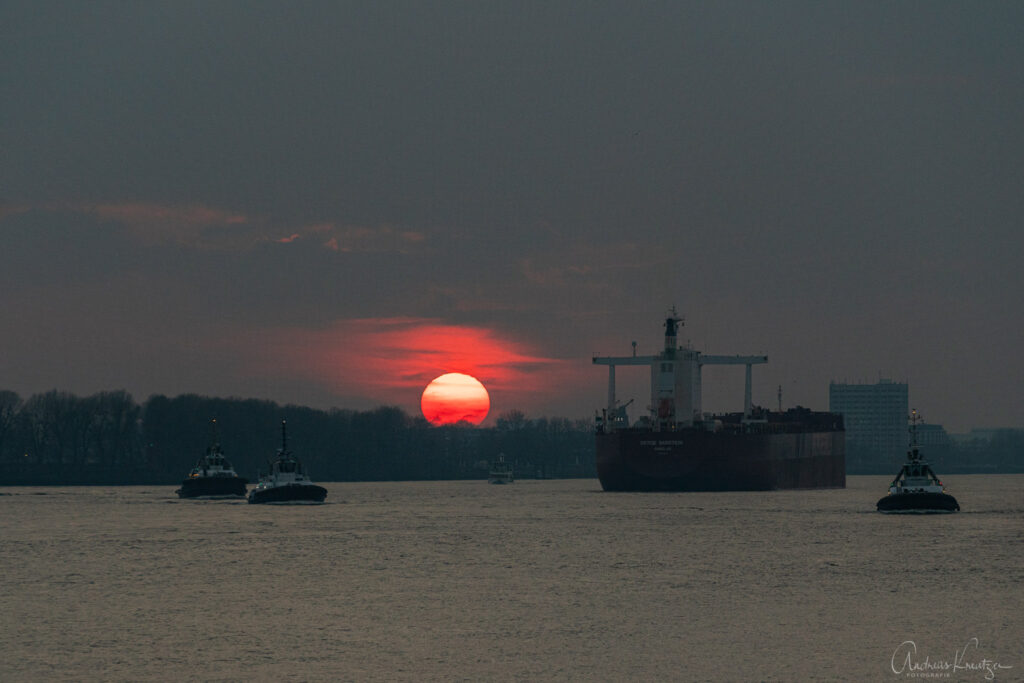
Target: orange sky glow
pixel 392 360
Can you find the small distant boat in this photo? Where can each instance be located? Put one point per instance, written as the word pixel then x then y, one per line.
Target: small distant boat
pixel 212 477
pixel 916 489
pixel 286 483
pixel 501 471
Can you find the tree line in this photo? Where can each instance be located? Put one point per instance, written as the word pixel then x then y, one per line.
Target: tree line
pixel 57 438
pixel 1001 452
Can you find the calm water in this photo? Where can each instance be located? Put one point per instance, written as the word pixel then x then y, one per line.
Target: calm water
pixel 541 580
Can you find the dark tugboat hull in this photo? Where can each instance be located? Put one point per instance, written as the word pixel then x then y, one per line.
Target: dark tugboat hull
pixel 918 503
pixel 289 494
pixel 694 460
pixel 212 487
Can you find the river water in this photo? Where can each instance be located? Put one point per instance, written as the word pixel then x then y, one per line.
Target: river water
pixel 540 580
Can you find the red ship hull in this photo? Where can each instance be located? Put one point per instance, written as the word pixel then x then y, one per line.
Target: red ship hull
pixel 697 460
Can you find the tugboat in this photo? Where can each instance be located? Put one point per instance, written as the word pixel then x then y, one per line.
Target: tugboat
pixel 212 477
pixel 916 489
pixel 286 483
pixel 501 471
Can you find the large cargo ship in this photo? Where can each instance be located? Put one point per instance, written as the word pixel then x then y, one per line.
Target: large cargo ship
pixel 677 447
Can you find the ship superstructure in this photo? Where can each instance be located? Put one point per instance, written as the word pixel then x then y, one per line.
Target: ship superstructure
pixel 676 379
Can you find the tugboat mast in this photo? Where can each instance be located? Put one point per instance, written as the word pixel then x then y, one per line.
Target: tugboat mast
pixel 214 440
pixel 915 454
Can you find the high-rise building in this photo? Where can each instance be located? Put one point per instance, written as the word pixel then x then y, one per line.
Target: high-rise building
pixel 875 416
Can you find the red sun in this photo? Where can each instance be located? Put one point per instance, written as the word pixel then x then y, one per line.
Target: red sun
pixel 455 397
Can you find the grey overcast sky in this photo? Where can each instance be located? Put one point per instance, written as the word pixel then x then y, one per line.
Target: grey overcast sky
pixel 330 203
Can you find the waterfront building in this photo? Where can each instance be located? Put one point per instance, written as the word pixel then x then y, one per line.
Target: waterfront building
pixel 875 416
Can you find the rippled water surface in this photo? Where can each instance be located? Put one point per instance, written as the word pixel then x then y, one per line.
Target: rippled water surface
pixel 541 580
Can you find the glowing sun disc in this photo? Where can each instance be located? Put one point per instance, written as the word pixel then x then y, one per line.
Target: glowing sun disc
pixel 455 397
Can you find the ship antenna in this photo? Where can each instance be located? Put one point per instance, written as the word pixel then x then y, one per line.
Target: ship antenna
pixel 284 437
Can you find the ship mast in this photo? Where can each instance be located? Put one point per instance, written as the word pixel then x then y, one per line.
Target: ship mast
pixel 672 323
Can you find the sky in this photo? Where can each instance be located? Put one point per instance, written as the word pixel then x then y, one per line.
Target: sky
pixel 332 203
